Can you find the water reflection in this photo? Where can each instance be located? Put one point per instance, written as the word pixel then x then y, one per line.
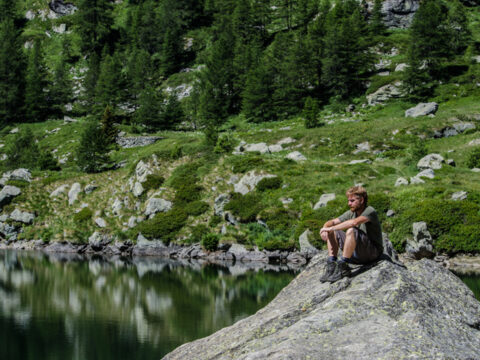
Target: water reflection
pixel 64 306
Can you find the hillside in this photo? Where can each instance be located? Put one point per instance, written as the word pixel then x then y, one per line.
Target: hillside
pixel 187 185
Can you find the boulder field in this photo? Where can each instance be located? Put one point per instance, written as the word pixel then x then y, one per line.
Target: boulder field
pixel 420 311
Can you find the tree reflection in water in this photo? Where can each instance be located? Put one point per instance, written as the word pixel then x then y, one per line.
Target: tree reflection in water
pixel 61 306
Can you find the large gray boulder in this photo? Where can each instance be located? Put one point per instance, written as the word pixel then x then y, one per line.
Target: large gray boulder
pixel 422 109
pixel 399 13
pixel 18 174
pixel 385 93
pixel 305 246
pixel 8 193
pixel 22 216
pixel 75 190
pixel 431 161
pixel 155 205
pixel 220 202
pixel 422 243
pixel 386 312
pixel 323 201
pixel 249 181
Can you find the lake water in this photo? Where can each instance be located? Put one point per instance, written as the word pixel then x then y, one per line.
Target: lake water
pixel 72 307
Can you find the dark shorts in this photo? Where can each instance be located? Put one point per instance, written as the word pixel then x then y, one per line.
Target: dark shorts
pixel 365 250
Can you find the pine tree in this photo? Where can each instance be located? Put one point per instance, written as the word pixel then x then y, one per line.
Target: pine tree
pixel 257 102
pixel 36 106
pixel 173 113
pixel 92 152
pixel 94 21
pixel 149 112
pixel 108 87
pixel 23 150
pixel 460 34
pixel 91 78
pixel 310 113
pixel 377 26
pixel 12 78
pixel 60 92
pixel 429 46
pixel 108 127
pixel 139 73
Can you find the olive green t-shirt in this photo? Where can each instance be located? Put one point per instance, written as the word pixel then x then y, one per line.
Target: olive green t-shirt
pixel 372 228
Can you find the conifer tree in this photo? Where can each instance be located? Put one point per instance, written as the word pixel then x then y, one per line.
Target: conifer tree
pixel 149 112
pixel 173 113
pixel 93 22
pixel 460 34
pixel 107 89
pixel 12 77
pixel 108 127
pixel 92 152
pixel 139 73
pixel 60 92
pixel 310 113
pixel 376 23
pixel 257 104
pixel 36 106
pixel 91 78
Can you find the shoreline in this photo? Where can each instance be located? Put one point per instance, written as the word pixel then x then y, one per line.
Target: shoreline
pixel 464 264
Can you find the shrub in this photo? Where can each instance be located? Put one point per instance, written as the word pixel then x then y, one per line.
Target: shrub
pixel 197 233
pixel 187 193
pixel 176 152
pixel 196 208
pixel 279 219
pixel 18 183
pixel 22 151
pixel 269 240
pixel 474 158
pixel 46 161
pixel 164 226
pixel 153 181
pixel 225 143
pixel 269 183
pixel 184 174
pixel 245 207
pixel 242 164
pixel 210 242
pixel 381 203
pixel 92 152
pixel 83 215
pixel 310 113
pixel 214 221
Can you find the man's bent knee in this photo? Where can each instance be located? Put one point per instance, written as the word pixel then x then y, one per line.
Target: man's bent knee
pixel 350 231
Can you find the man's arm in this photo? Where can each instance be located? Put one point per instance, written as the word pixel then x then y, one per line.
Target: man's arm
pixel 335 224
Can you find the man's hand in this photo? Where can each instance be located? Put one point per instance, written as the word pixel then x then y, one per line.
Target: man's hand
pixel 324 233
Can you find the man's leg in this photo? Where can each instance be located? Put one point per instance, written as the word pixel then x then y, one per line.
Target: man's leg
pixel 350 244
pixel 332 244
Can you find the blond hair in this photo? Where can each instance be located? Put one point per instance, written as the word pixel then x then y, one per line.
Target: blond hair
pixel 358 191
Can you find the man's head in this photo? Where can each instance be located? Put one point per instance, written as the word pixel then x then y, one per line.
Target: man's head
pixel 357 198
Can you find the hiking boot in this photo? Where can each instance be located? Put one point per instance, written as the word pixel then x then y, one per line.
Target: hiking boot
pixel 341 270
pixel 329 269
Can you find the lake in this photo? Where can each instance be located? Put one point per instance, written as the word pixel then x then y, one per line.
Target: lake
pixel 72 307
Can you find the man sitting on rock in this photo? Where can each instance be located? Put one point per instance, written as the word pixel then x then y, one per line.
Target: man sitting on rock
pixel 357 232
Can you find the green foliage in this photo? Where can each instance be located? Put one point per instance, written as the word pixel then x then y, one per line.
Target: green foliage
pixel 451 223
pixel 214 221
pixel 46 161
pixel 279 219
pixel 310 113
pixel 242 164
pixel 108 127
pixel 93 148
pixel 197 233
pixel 83 215
pixel 474 158
pixel 36 81
pixel 18 183
pixel 381 203
pixel 210 242
pixel 184 174
pixel 245 207
pixel 271 183
pixel 196 208
pixel 164 226
pixel 225 143
pixel 269 240
pixel 152 181
pixel 377 27
pixel 188 192
pixel 23 150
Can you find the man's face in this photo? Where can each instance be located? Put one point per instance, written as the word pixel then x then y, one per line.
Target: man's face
pixel 355 202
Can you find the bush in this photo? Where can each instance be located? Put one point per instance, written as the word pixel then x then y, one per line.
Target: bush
pixel 164 226
pixel 176 152
pixel 197 233
pixel 214 221
pixel 269 183
pixel 452 224
pixel 310 113
pixel 210 242
pixel 242 164
pixel 22 151
pixel 184 174
pixel 83 215
pixel 153 181
pixel 381 203
pixel 245 207
pixel 474 158
pixel 225 143
pixel 279 219
pixel 46 161
pixel 196 208
pixel 187 193
pixel 92 152
pixel 269 240
pixel 18 183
